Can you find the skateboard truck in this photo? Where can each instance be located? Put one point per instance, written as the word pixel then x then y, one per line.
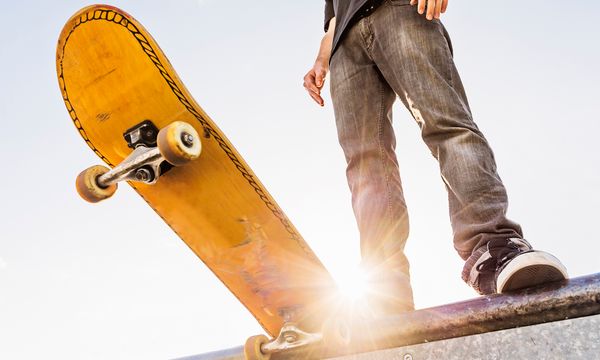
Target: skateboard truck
pixel 154 152
pixel 291 336
pixel 142 165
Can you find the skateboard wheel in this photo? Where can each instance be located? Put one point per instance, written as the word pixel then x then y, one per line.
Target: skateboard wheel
pixel 179 143
pixel 252 348
pixel 88 187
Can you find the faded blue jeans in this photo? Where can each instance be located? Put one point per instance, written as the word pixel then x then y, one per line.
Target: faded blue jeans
pixel 395 52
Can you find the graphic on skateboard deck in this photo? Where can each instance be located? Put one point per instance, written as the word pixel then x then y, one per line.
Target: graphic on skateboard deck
pixel 133 111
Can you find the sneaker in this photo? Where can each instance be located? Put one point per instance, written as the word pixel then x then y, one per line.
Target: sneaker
pixel 511 264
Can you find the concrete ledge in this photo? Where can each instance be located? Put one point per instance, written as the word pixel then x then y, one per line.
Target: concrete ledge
pixel 236 353
pixel 548 310
pixel 561 340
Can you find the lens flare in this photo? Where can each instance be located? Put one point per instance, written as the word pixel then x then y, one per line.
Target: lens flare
pixel 352 284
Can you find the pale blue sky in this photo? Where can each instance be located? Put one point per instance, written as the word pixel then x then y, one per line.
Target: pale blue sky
pixel 112 281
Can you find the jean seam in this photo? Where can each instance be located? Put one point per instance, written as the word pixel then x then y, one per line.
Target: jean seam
pixel 449 55
pixel 382 150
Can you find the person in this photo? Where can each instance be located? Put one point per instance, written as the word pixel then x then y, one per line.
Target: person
pixel 377 50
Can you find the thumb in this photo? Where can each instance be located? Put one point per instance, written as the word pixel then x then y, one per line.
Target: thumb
pixel 320 78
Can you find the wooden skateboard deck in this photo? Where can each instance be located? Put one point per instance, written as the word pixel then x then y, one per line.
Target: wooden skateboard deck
pixel 113 75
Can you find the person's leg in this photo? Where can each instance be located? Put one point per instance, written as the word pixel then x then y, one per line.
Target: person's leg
pixel 362 102
pixel 415 57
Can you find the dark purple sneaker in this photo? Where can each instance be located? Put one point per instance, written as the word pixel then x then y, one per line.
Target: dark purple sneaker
pixel 511 264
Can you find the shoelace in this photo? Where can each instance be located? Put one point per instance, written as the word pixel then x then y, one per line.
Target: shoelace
pixel 501 253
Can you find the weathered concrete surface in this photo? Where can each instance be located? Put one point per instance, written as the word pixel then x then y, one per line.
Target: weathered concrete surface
pixel 561 340
pixel 575 298
pixel 236 353
pixel 554 305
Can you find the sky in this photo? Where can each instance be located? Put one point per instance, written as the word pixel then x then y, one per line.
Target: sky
pixel 112 281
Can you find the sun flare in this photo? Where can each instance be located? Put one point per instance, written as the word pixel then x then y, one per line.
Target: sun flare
pixel 352 284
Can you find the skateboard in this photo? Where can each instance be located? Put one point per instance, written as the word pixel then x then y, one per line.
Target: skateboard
pixel 133 111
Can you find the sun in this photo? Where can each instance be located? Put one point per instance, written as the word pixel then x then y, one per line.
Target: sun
pixel 352 284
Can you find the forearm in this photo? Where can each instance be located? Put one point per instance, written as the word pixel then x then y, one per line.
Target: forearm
pixel 326 44
pixel 315 78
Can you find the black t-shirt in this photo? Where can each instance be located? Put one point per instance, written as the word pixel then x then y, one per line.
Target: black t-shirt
pixel 344 12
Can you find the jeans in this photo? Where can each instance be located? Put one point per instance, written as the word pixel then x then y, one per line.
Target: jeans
pixel 395 52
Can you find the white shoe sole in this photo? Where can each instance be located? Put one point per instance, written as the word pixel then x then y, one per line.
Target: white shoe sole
pixel 530 269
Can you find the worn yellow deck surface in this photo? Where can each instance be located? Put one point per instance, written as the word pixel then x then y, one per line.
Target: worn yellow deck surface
pixel 113 75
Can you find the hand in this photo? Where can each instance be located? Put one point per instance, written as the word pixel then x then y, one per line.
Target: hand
pixel 434 7
pixel 315 79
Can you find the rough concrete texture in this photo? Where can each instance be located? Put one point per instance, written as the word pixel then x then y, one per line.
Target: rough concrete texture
pixel 560 340
pixel 229 354
pixel 554 321
pixel 567 339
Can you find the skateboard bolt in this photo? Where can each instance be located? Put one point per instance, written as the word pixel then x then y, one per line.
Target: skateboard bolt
pixel 290 338
pixel 187 139
pixel 143 175
pixel 149 134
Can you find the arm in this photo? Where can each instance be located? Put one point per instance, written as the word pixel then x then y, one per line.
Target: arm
pixel 315 78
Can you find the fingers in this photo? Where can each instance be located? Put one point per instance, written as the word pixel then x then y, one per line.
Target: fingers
pixel 438 9
pixel 317 98
pixel 310 82
pixel 431 8
pixel 314 90
pixel 421 6
pixel 444 5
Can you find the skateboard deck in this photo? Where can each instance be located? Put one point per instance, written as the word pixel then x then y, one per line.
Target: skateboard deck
pixel 113 76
